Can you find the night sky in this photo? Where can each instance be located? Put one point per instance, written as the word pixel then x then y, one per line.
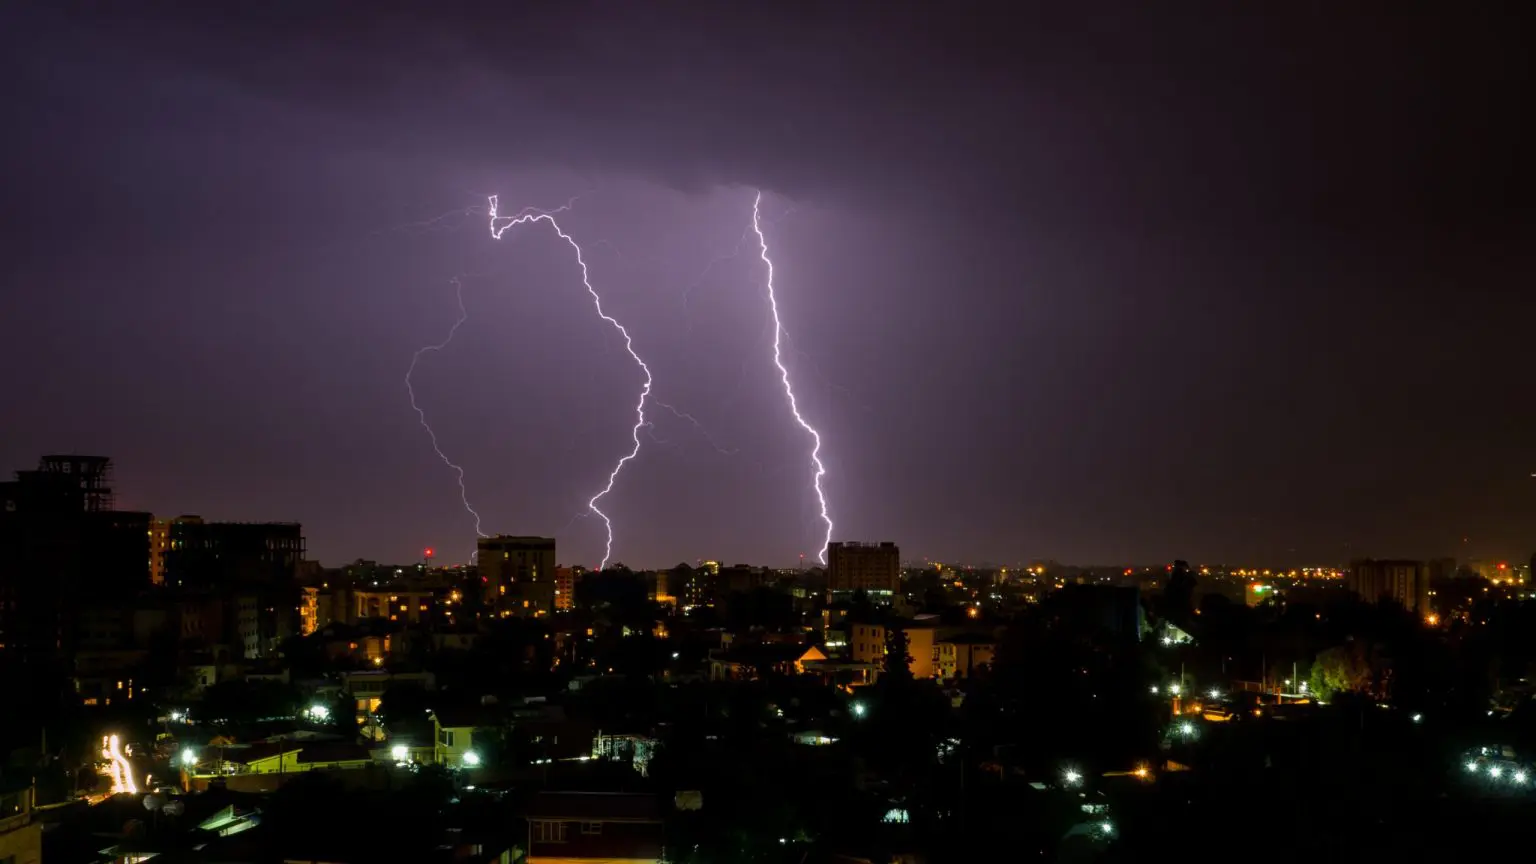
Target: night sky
pixel 1189 281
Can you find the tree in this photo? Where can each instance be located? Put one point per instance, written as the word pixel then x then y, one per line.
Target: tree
pixel 898 663
pixel 1342 669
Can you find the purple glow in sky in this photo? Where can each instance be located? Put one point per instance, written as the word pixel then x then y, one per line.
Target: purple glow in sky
pixel 1194 281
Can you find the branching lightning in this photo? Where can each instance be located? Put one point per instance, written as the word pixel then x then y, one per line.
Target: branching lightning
pixel 499 226
pixel 789 391
pixel 458 470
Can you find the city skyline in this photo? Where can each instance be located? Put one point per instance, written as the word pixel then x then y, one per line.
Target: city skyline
pixel 1245 309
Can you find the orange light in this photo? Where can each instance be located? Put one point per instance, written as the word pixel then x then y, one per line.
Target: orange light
pixel 1432 620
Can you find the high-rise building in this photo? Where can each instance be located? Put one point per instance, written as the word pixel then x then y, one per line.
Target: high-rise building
pixel 159 543
pixel 1403 582
pixel 225 554
pixel 874 568
pixel 565 586
pixel 519 574
pixel 61 545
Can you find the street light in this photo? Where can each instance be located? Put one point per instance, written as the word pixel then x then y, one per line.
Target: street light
pixel 1071 778
pixel 1175 689
pixel 858 709
pixel 1154 689
pixel 471 758
pixel 189 757
pixel 400 752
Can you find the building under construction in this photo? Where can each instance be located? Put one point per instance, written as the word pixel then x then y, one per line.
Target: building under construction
pixel 63 544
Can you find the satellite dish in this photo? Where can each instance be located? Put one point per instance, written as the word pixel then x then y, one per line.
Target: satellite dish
pixel 173 808
pixel 153 802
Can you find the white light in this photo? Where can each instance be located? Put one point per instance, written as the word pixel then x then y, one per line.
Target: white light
pixel 319 712
pixel 1187 729
pixel 1472 767
pixel 1495 772
pixel 1519 777
pixel 1107 828
pixel 1174 689
pixel 1214 694
pixel 400 752
pixel 1071 777
pixel 1167 640
pixel 676 655
pixel 1154 689
pixel 1303 686
pixel 471 758
pixel 189 757
pixel 858 709
pixel 1418 718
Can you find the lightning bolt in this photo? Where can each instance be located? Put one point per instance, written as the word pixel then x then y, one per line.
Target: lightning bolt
pixel 499 226
pixel 789 391
pixel 421 415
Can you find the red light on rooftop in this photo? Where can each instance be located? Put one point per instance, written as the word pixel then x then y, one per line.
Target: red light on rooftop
pixel 428 552
pixel 1503 566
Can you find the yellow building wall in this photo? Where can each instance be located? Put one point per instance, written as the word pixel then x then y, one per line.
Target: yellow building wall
pixel 23 843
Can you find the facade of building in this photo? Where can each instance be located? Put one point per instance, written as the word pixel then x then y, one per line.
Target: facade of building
pixel 1401 581
pixel 867 644
pixel 874 568
pixel 519 574
pixel 21 839
pixel 221 554
pixel 61 542
pixel 565 588
pixel 595 827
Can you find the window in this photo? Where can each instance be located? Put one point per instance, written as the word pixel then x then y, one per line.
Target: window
pixel 591 827
pixel 549 832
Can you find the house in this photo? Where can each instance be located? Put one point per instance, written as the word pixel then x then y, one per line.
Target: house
pixel 964 654
pixel 291 757
pixel 746 662
pixel 454 730
pixel 607 827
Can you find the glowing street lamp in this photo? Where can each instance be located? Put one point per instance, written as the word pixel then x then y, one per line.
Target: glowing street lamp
pixel 471 758
pixel 189 757
pixel 1070 778
pixel 858 709
pixel 400 752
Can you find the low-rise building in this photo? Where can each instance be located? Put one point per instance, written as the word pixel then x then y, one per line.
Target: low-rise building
pixel 454 731
pixel 21 839
pixel 576 827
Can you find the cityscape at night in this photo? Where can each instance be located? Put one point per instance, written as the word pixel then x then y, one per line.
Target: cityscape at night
pixel 795 433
